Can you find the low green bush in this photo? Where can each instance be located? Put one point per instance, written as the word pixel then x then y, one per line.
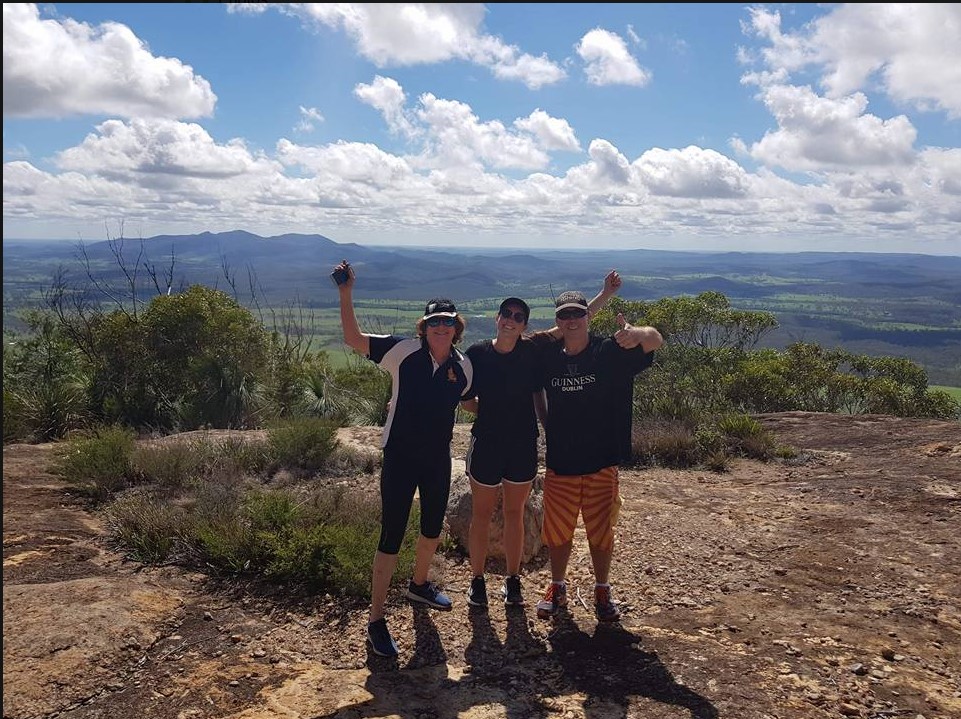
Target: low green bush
pixel 149 527
pixel 97 464
pixel 302 444
pixel 746 436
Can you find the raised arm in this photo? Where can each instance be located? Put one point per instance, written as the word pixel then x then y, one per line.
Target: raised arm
pixel 353 337
pixel 612 283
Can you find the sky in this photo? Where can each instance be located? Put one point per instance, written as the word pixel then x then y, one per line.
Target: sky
pixel 686 126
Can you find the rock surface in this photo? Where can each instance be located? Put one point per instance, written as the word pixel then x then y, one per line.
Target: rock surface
pixel 826 587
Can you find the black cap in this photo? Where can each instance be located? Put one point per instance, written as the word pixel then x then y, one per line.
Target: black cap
pixel 517 302
pixel 440 307
pixel 572 299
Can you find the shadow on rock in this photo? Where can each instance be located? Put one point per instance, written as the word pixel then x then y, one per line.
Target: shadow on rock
pixel 610 668
pixel 484 653
pixel 428 648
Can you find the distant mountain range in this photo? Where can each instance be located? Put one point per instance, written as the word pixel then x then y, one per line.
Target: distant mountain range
pixel 298 264
pixel 878 304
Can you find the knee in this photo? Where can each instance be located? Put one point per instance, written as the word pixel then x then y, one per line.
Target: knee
pixel 513 513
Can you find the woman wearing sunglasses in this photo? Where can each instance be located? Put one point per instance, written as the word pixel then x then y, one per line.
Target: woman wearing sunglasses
pixel 429 378
pixel 502 455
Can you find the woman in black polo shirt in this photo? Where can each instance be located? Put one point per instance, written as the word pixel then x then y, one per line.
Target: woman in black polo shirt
pixel 429 377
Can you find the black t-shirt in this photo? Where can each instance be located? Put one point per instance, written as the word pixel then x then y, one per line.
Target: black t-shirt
pixel 504 384
pixel 590 404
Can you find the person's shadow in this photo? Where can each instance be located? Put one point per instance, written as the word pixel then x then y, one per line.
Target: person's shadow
pixel 428 648
pixel 609 667
pixel 424 688
pixel 520 643
pixel 484 653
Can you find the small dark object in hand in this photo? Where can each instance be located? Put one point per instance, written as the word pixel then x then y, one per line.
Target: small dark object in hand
pixel 340 275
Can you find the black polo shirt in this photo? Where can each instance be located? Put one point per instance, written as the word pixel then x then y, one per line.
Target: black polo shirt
pixel 424 395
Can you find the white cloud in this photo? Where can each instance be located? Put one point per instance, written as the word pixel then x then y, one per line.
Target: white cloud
pixel 308 116
pixel 911 51
pixel 457 137
pixel 54 68
pixel 553 133
pixel 816 133
pixel 353 162
pixel 462 172
pixel 387 96
pixel 149 151
pixel 399 34
pixel 692 172
pixel 608 61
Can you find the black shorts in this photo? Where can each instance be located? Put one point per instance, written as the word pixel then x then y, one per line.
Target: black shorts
pixel 491 460
pixel 403 473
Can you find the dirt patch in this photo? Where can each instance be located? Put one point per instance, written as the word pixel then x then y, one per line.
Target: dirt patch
pixel 824 587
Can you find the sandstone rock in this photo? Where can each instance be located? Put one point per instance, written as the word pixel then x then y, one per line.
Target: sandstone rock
pixel 459 513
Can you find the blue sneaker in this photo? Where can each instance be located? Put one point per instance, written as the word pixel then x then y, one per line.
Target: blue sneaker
pixel 428 593
pixel 378 636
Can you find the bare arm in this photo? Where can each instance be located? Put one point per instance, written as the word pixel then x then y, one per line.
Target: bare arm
pixel 612 283
pixel 470 405
pixel 540 407
pixel 629 336
pixel 353 337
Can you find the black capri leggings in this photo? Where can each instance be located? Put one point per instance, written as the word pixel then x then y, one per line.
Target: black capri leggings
pixel 402 473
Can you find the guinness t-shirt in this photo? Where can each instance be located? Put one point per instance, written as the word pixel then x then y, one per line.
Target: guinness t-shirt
pixel 590 404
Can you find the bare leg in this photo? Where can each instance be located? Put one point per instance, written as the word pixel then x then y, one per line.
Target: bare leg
pixel 601 559
pixel 515 498
pixel 384 565
pixel 560 556
pixel 425 553
pixel 483 501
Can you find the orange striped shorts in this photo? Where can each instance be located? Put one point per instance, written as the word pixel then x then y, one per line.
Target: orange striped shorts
pixel 594 496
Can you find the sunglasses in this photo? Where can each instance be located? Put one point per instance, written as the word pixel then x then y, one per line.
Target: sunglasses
pixel 438 321
pixel 518 317
pixel 571 314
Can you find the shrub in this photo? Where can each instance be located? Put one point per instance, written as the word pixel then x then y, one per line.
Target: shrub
pixel 97 464
pixel 347 460
pixel 302 444
pixel 44 383
pixel 14 425
pixel 217 533
pixel 718 461
pixel 786 452
pixel 669 443
pixel 170 466
pixel 746 436
pixel 353 526
pixel 147 525
pixel 324 540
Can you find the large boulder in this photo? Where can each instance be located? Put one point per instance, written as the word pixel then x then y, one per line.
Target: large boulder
pixel 459 513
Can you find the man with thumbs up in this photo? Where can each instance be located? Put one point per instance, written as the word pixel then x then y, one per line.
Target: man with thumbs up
pixel 589 382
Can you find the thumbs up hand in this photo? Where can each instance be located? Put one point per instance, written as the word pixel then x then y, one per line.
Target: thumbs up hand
pixel 625 336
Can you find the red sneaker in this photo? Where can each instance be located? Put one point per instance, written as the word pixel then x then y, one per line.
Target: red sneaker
pixel 554 599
